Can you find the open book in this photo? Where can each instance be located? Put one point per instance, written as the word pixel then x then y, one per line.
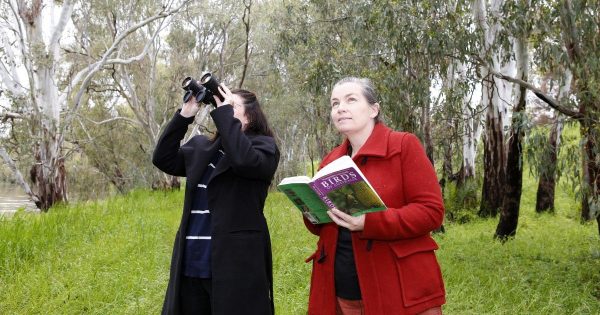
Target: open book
pixel 340 184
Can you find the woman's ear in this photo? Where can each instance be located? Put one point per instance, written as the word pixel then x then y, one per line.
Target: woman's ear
pixel 374 110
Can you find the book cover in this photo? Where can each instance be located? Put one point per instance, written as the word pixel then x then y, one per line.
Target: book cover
pixel 340 184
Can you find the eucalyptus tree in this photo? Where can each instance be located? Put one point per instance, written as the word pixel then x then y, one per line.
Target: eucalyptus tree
pixel 495 58
pixel 548 57
pixel 314 50
pixel 113 130
pixel 210 36
pixel 519 29
pixel 544 201
pixel 580 35
pixel 402 46
pixel 53 88
pixel 459 119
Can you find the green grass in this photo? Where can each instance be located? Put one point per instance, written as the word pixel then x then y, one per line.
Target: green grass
pixel 112 257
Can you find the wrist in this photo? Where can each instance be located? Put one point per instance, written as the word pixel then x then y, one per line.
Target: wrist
pixel 186 113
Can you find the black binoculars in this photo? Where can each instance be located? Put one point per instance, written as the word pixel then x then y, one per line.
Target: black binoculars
pixel 202 92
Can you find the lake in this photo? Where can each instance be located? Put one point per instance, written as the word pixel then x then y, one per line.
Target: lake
pixel 12 198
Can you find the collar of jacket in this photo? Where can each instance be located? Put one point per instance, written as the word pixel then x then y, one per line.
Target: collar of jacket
pixel 376 145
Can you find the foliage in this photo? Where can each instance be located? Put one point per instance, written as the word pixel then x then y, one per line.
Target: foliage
pixel 461 201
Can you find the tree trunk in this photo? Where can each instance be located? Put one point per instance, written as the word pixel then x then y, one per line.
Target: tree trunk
pixel 547 181
pixel 167 182
pixel 469 151
pixel 511 203
pixel 591 169
pixel 49 176
pixel 493 167
pixel 509 214
pixel 547 177
pixel 493 150
pixel 426 127
pixel 447 174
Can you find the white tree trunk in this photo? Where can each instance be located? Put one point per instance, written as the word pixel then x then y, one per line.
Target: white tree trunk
pixel 492 90
pixel 40 56
pixel 563 94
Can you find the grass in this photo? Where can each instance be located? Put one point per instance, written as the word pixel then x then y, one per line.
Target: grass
pixel 112 257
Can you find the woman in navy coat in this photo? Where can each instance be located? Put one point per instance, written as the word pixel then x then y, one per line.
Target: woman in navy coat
pixel 221 261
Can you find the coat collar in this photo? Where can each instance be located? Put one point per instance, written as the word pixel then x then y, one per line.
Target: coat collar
pixel 376 144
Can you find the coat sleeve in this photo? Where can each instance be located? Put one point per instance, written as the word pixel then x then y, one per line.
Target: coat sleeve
pixel 424 209
pixel 167 155
pixel 257 158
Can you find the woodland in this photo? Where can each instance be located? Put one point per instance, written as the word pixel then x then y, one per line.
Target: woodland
pixel 492 88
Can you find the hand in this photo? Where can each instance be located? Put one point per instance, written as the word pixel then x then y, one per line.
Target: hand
pixel 190 108
pixel 227 96
pixel 345 220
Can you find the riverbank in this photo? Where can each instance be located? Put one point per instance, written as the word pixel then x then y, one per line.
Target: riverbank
pixel 13 199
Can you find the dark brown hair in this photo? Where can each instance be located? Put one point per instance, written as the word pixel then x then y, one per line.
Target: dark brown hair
pixel 257 121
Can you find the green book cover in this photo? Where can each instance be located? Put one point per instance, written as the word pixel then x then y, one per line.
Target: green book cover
pixel 339 184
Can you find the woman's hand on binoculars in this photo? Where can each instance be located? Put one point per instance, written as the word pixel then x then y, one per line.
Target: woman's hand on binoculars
pixel 189 108
pixel 227 96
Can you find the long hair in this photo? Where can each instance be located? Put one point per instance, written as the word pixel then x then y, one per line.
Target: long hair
pixel 257 121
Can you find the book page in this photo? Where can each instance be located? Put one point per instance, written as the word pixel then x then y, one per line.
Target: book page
pixel 339 164
pixel 295 180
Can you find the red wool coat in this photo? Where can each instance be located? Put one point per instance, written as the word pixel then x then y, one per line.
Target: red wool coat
pixel 394 254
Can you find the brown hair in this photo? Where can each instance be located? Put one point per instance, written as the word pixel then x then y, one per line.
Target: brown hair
pixel 257 121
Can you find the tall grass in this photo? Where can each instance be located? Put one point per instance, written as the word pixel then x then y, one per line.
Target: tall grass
pixel 112 257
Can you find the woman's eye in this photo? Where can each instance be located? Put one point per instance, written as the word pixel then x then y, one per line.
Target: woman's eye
pixel 333 104
pixel 351 100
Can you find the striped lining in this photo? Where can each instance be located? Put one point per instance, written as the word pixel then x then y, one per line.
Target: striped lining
pixel 197 237
pixel 201 211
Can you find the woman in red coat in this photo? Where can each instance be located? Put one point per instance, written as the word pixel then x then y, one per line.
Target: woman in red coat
pixel 379 263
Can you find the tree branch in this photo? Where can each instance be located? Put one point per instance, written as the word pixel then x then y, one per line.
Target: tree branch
pixel 11 115
pixel 92 69
pixel 65 14
pixel 539 93
pixel 17 174
pixel 141 55
pixel 246 21
pixel 110 120
pixel 8 72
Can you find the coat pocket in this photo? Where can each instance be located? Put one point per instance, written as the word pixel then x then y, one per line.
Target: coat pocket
pixel 418 270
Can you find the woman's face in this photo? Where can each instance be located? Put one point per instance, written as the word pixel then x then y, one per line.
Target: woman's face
pixel 350 110
pixel 239 110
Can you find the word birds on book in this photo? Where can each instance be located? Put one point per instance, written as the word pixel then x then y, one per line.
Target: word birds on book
pixel 340 184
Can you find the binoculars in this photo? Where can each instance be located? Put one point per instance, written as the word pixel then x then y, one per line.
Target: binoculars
pixel 202 92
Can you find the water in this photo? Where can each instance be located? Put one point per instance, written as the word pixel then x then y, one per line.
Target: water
pixel 12 198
